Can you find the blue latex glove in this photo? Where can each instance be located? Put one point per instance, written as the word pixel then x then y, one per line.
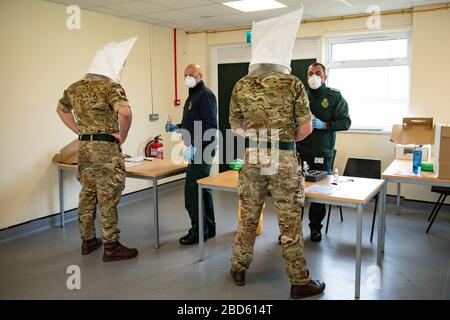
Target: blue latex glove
pixel 318 124
pixel 189 153
pixel 172 128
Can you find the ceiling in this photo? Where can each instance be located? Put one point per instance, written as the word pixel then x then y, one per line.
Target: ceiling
pixel 195 15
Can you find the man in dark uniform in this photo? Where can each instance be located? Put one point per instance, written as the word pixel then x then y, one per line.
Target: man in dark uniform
pixel 330 114
pixel 199 116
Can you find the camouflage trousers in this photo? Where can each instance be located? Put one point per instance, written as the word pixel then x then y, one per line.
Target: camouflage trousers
pixel 287 188
pixel 101 172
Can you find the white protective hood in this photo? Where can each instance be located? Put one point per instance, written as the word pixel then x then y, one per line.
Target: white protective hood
pixel 109 59
pixel 273 39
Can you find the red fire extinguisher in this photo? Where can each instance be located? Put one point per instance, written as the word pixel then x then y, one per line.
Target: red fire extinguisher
pixel 155 149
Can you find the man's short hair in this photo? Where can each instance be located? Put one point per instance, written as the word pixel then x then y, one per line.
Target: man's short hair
pixel 315 64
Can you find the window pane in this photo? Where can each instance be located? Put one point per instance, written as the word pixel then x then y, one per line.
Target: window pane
pixel 369 50
pixel 377 97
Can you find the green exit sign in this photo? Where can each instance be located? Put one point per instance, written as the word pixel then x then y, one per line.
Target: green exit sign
pixel 249 36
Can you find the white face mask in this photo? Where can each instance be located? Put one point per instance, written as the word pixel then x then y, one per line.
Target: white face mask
pixel 190 82
pixel 314 82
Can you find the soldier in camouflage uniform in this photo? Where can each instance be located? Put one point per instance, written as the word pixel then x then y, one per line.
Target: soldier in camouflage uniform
pixel 103 117
pixel 271 100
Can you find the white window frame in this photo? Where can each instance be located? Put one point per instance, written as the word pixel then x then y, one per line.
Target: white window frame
pixel 387 62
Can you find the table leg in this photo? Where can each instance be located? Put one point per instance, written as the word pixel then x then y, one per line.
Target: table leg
pixel 201 239
pixel 358 251
pixel 381 212
pixel 446 295
pixel 155 210
pixel 383 217
pixel 61 197
pixel 398 197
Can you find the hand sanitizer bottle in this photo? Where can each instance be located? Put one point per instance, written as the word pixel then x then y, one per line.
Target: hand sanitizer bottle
pixel 417 160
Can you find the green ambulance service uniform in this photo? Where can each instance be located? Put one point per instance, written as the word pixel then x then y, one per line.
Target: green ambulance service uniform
pixel 317 149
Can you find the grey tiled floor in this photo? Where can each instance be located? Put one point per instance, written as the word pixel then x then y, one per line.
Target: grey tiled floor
pixel 415 265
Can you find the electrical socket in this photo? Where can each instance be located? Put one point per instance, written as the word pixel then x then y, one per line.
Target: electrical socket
pixel 153 117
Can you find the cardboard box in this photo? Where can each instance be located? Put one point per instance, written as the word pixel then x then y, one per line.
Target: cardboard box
pixel 68 154
pixel 414 131
pixel 442 151
pixel 405 152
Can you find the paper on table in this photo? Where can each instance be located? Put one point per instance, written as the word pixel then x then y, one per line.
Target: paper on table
pixel 131 164
pixel 137 159
pixel 322 189
pixel 404 173
pixel 345 179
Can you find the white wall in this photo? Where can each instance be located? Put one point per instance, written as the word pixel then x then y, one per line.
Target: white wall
pixel 430 60
pixel 39 58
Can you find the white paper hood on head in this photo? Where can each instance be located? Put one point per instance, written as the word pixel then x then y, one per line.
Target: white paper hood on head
pixel 273 39
pixel 109 59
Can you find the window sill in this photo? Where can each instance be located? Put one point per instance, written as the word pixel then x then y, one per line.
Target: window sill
pixel 367 131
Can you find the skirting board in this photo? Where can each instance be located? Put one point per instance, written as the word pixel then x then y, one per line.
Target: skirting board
pixel 53 220
pixel 72 215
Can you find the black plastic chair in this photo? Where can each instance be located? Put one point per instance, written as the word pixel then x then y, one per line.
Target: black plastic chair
pixel 443 193
pixel 362 168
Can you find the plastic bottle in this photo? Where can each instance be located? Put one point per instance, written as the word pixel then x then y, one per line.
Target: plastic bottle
pixel 336 176
pixel 417 160
pixel 305 167
pixel 169 120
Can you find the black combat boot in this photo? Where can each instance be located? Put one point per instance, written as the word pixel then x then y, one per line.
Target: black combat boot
pixel 316 236
pixel 190 238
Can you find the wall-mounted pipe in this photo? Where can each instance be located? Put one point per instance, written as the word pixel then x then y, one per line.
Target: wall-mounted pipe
pixel 176 101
